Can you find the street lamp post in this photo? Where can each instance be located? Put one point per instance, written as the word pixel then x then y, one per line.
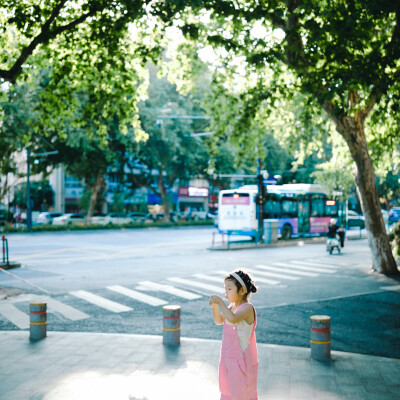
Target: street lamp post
pixel 28 190
pixel 28 184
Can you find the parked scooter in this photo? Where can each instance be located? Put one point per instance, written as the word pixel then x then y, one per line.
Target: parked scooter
pixel 332 244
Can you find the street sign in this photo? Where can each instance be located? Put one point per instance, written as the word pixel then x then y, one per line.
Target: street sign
pixel 270 181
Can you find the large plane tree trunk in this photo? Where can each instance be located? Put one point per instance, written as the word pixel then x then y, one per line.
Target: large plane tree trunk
pixel 352 130
pixel 97 189
pixel 163 194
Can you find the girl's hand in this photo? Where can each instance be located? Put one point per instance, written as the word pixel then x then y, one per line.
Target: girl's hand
pixel 214 299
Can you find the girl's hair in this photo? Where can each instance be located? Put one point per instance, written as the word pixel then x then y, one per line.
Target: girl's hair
pixel 247 279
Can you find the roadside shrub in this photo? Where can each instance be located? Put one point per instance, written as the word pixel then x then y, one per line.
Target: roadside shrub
pixel 54 228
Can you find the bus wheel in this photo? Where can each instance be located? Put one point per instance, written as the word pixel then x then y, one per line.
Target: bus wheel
pixel 286 232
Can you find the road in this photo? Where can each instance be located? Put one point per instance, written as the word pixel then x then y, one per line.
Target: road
pixel 117 281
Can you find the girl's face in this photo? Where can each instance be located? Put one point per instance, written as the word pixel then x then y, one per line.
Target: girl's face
pixel 231 291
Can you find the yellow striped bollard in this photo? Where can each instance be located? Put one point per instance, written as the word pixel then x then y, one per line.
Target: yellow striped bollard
pixel 38 320
pixel 172 325
pixel 320 333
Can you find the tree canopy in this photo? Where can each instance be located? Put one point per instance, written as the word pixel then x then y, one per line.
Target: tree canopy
pixel 342 56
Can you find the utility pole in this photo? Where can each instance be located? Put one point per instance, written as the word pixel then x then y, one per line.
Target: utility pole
pixel 28 190
pixel 260 205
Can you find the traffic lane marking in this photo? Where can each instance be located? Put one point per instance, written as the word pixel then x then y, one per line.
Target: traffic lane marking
pixel 200 285
pixel 67 311
pixel 285 269
pixel 256 278
pixel 100 301
pixel 209 278
pixel 294 264
pixel 147 285
pixel 316 264
pixel 139 296
pixel 273 274
pixel 393 287
pixel 74 257
pixel 13 314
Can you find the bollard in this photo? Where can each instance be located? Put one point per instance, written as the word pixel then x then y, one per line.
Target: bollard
pixel 38 323
pixel 172 325
pixel 5 250
pixel 320 333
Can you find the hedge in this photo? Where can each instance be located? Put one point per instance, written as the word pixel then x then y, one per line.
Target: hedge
pixel 56 228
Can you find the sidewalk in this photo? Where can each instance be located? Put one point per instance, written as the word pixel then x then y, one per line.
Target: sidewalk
pixel 95 366
pixel 235 244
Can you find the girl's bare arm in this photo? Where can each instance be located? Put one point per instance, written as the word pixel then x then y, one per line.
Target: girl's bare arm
pixel 218 318
pixel 245 313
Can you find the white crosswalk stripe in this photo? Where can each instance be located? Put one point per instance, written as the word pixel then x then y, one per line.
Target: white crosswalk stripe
pixel 147 285
pixel 393 287
pixel 210 278
pixel 316 264
pixel 292 269
pixel 330 263
pixel 294 264
pixel 200 285
pixel 67 311
pixel 286 270
pixel 16 316
pixel 139 296
pixel 321 270
pixel 256 278
pixel 100 301
pixel 273 274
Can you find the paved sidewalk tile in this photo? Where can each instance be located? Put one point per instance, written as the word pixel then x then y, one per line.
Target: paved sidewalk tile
pixel 74 366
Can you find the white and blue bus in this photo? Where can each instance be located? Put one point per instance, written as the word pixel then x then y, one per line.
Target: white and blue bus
pixel 301 210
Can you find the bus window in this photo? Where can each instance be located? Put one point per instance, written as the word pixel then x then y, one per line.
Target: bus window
pixel 331 207
pixel 289 208
pixel 317 207
pixel 272 208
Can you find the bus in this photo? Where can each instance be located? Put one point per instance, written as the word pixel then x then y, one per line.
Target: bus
pixel 300 209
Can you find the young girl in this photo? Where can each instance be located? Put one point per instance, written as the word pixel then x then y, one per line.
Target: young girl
pixel 238 365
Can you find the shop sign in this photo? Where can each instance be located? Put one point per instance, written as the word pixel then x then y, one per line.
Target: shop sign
pixel 192 191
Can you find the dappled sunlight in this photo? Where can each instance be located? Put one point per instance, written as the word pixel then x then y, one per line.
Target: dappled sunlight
pixel 195 381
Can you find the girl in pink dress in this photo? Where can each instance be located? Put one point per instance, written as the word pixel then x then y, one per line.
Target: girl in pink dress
pixel 238 365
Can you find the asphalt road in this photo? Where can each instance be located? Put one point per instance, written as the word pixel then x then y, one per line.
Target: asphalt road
pixel 81 269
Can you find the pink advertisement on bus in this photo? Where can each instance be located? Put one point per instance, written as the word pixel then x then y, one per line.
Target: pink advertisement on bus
pixel 235 201
pixel 319 224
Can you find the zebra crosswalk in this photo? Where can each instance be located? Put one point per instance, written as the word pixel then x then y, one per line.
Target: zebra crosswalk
pixel 156 294
pixel 101 301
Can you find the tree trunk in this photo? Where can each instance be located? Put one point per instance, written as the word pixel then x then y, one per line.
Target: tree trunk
pixel 352 130
pixel 163 194
pixel 97 189
pixel 4 187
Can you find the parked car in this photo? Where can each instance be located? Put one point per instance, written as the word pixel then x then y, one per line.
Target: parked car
pixel 69 219
pixel 355 220
pixel 113 218
pixel 141 217
pixel 173 216
pixel 47 217
pixel 394 215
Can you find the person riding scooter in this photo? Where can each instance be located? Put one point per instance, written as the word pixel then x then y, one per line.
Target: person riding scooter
pixel 334 229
